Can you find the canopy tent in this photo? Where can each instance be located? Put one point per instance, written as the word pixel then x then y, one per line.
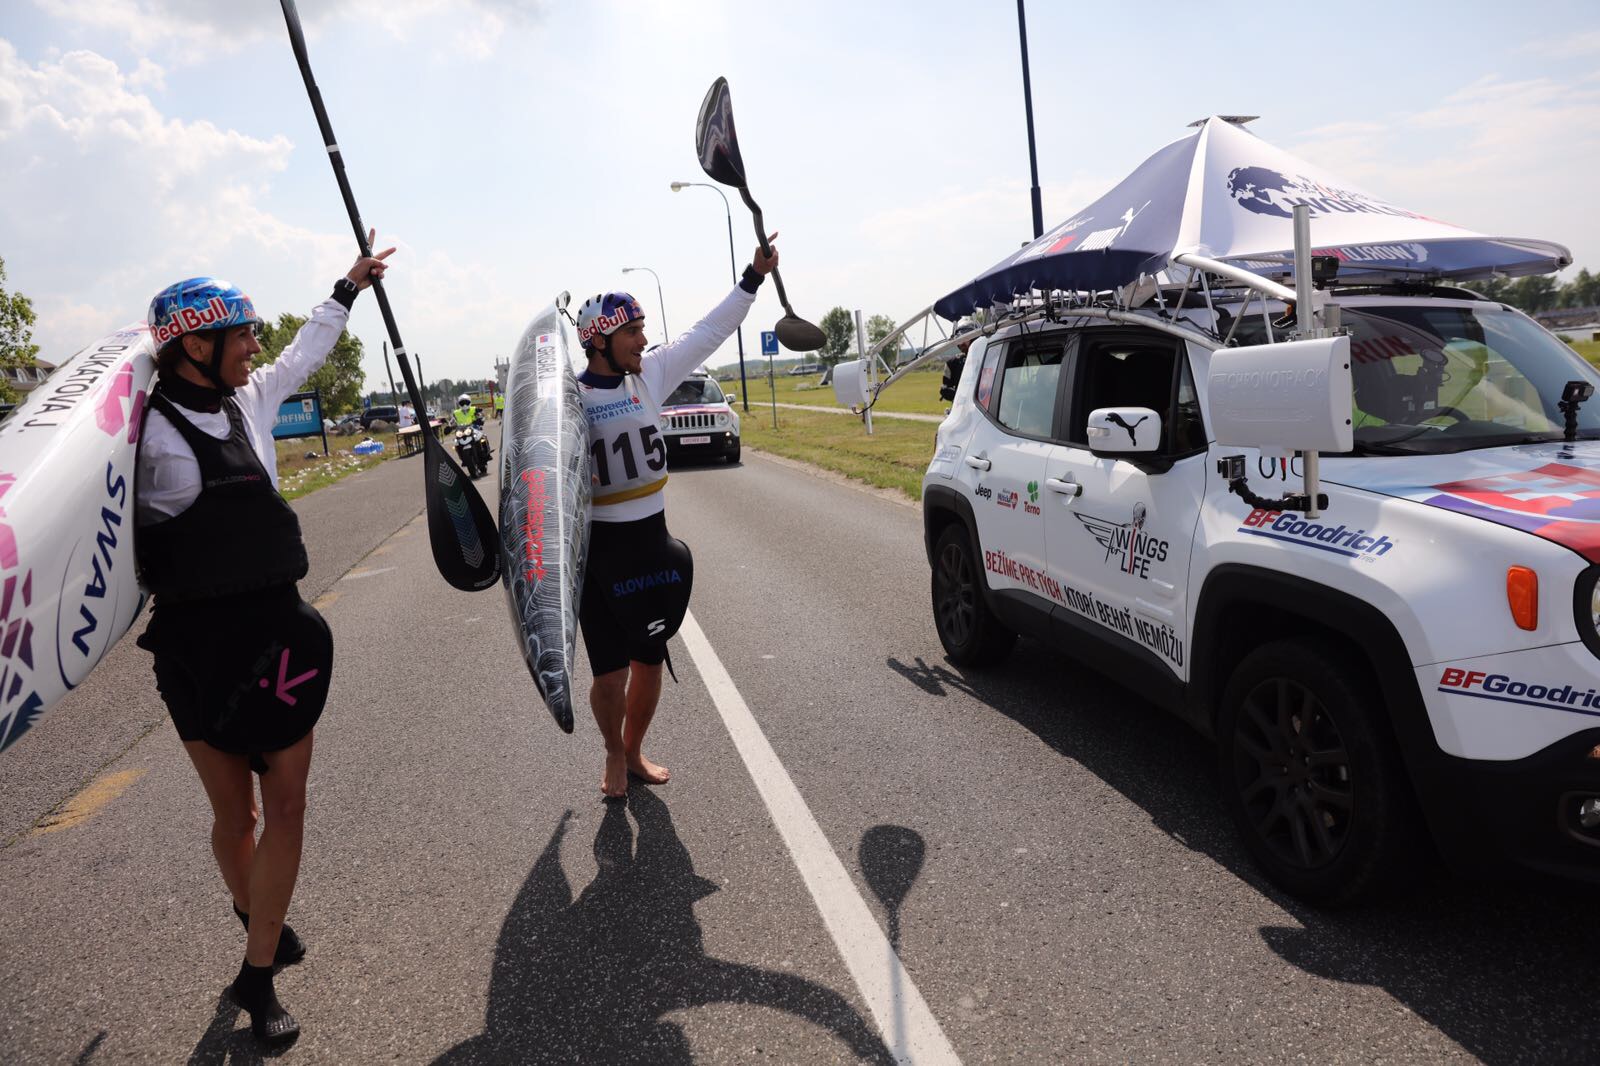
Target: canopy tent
pixel 1227 195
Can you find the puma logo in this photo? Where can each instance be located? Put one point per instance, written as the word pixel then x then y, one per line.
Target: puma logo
pixel 1133 436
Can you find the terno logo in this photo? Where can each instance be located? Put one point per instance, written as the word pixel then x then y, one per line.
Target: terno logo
pixel 1505 689
pixel 1292 529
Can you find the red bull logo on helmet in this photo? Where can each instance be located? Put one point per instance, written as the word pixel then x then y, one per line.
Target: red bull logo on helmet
pixel 609 324
pixel 189 319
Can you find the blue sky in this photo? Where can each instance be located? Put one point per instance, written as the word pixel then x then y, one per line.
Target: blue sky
pixel 515 148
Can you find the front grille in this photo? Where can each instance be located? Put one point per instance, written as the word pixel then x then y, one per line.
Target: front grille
pixel 691 421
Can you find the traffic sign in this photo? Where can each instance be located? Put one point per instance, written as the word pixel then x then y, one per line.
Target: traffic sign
pixel 769 342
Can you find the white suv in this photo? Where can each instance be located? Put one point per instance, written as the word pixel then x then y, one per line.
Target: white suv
pixel 1419 660
pixel 698 420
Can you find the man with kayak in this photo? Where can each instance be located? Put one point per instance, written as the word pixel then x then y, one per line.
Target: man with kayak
pixel 636 585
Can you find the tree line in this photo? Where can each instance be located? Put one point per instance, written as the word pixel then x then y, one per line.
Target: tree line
pixel 1541 292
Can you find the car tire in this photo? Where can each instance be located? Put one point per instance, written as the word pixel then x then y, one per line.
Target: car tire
pixel 732 454
pixel 1312 777
pixel 971 634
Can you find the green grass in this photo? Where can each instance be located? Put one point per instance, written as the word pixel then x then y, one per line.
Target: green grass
pixel 298 475
pixel 894 457
pixel 916 393
pixel 1590 350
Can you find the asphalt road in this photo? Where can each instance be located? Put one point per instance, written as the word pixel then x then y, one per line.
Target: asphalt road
pixel 1046 853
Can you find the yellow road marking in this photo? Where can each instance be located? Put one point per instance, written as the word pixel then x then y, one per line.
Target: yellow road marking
pixel 80 808
pixel 324 601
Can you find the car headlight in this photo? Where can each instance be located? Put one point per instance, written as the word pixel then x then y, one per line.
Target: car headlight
pixel 1586 608
pixel 722 420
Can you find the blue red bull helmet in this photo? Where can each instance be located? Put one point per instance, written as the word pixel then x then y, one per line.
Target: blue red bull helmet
pixel 197 304
pixel 606 314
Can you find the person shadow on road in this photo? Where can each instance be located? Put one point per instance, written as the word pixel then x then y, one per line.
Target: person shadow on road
pixel 592 979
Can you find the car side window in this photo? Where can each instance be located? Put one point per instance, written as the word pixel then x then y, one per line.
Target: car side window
pixel 1139 370
pixel 985 395
pixel 1029 376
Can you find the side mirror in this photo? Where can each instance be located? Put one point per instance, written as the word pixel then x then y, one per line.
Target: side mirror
pixel 731 397
pixel 1124 430
pixel 1289 397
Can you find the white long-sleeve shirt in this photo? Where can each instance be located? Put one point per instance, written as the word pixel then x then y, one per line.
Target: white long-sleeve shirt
pixel 620 410
pixel 169 475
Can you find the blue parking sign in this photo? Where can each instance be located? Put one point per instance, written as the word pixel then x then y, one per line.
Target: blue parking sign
pixel 769 342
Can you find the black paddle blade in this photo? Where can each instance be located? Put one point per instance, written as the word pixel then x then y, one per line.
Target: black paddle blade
pixel 798 335
pixel 714 139
pixel 460 528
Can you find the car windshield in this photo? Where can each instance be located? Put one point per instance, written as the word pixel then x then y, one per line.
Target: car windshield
pixel 1431 380
pixel 695 390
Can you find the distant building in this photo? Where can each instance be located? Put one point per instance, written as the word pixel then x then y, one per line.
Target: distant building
pixel 26 378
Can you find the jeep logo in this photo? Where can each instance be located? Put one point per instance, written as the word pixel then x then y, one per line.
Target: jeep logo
pixel 983 491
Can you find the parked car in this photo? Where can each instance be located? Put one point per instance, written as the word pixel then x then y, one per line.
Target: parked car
pixel 389 414
pixel 1419 661
pixel 696 419
pixel 802 369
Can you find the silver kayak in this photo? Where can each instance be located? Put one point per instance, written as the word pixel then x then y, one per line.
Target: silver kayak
pixel 544 505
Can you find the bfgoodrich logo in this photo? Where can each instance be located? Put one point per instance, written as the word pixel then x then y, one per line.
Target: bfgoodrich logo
pixel 1292 529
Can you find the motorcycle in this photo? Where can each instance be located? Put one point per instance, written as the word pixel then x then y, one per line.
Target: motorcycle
pixel 472 449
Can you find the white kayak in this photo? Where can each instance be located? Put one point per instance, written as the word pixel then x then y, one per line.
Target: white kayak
pixel 67 585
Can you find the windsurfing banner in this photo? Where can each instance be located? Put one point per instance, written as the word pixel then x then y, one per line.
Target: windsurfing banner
pixel 67 585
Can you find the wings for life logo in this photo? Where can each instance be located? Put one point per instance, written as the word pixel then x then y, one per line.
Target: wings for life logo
pixel 1127 542
pixel 1556 501
pixel 1268 192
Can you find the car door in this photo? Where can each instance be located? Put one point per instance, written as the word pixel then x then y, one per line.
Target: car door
pixel 1120 531
pixel 1004 462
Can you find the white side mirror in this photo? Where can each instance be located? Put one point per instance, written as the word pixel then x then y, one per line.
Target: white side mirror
pixel 731 397
pixel 1294 396
pixel 1124 430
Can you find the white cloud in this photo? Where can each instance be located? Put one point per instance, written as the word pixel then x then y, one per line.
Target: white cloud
pixel 1567 46
pixel 193 30
pixel 102 196
pixel 1509 158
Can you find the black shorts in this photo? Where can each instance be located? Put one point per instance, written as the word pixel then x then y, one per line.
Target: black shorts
pixel 603 639
pixel 200 645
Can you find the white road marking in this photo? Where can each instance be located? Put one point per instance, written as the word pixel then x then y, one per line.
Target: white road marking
pixel 903 1017
pixel 357 575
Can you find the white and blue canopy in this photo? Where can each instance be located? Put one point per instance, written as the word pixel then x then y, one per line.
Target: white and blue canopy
pixel 1225 194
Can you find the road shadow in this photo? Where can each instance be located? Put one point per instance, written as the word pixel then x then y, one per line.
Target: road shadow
pixel 222 1043
pixel 1468 957
pixel 593 978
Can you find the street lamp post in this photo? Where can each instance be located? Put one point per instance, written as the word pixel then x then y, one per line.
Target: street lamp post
pixel 733 265
pixel 665 336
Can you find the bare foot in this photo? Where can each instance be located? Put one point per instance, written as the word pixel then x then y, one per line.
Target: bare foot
pixel 615 782
pixel 645 770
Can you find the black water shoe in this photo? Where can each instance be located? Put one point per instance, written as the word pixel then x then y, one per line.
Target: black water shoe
pixel 291 949
pixel 252 990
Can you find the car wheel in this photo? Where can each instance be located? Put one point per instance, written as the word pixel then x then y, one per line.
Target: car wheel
pixel 1311 774
pixel 732 454
pixel 969 631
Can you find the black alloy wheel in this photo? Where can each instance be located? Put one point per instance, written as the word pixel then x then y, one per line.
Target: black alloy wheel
pixel 1312 776
pixel 1293 773
pixel 969 631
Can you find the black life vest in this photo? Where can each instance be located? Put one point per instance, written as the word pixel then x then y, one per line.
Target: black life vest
pixel 237 536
